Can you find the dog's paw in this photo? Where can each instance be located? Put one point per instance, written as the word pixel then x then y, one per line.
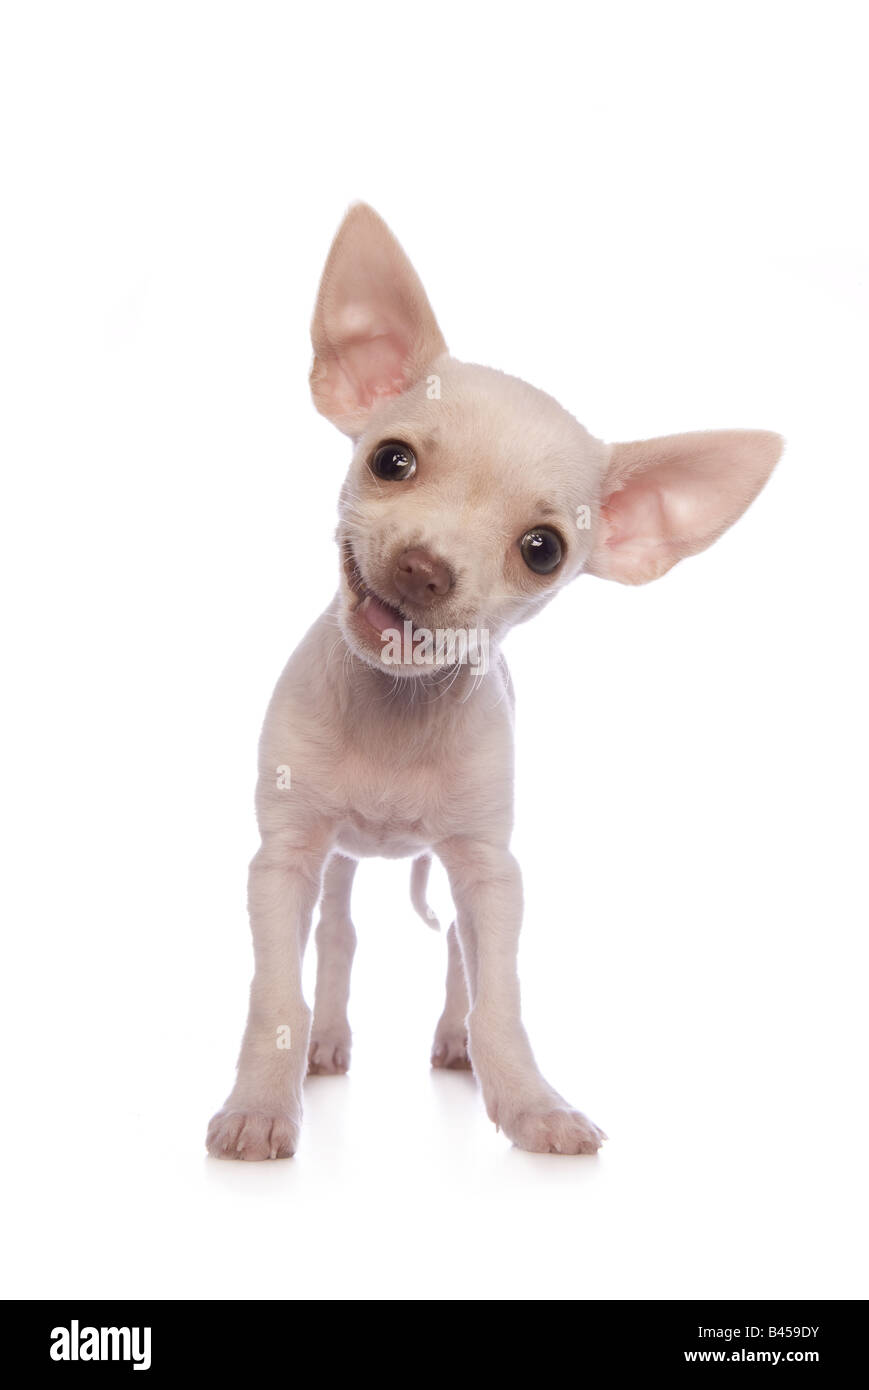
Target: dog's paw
pixel 252 1134
pixel 450 1049
pixel 555 1129
pixel 329 1053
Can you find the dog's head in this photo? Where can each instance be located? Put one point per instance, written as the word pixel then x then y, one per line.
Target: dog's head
pixel 472 497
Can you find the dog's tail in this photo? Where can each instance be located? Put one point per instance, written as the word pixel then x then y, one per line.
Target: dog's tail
pixel 418 881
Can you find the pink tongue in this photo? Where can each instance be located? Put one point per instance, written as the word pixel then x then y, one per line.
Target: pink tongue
pixel 378 616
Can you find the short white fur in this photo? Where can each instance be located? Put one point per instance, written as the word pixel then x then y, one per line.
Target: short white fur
pixel 413 761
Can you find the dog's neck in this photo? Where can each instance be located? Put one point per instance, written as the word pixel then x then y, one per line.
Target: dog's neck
pixel 429 691
pixel 349 694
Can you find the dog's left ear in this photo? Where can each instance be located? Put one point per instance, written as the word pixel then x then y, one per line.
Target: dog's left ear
pixel 665 499
pixel 374 332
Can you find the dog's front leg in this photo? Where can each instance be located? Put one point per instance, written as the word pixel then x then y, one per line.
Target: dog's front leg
pixel 262 1115
pixel 487 887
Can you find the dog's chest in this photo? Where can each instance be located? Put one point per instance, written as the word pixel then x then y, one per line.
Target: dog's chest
pixel 395 807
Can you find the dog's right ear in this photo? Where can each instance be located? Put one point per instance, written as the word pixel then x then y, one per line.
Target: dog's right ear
pixel 374 332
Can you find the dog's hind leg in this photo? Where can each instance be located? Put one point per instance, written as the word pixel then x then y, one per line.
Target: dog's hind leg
pixel 329 1050
pixel 450 1047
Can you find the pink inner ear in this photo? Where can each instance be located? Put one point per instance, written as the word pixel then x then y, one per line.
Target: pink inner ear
pixel 367 369
pixel 633 546
pixel 670 498
pixel 373 331
pixel 635 514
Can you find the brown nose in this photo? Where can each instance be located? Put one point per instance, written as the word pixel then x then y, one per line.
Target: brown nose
pixel 421 577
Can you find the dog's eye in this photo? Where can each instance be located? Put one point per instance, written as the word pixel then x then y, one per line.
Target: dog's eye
pixel 394 462
pixel 541 550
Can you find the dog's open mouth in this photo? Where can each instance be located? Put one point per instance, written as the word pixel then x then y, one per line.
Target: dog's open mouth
pixel 376 612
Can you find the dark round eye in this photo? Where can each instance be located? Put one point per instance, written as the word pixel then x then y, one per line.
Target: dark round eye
pixel 394 462
pixel 541 550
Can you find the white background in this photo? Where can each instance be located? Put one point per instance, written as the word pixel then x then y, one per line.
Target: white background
pixel 658 214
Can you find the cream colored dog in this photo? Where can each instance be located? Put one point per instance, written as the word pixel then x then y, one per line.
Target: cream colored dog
pixel 471 500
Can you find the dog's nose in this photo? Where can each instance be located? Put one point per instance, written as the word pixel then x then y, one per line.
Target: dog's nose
pixel 421 577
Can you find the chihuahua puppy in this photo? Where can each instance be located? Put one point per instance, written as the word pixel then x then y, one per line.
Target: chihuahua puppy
pixel 471 500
